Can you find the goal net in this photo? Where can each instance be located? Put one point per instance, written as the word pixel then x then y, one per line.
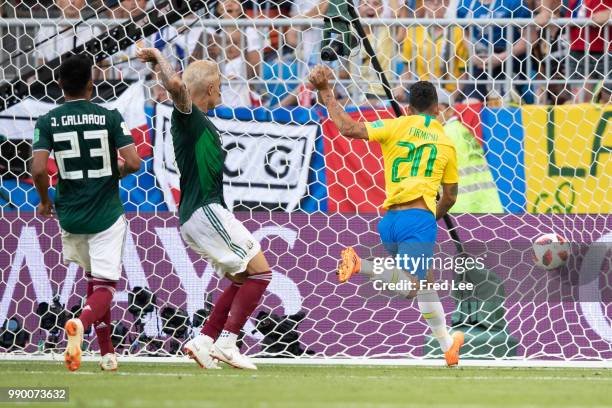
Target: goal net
pixel 527 105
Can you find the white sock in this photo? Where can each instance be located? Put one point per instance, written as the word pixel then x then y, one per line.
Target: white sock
pixel 206 338
pixel 226 339
pixel 388 275
pixel 367 268
pixel 433 313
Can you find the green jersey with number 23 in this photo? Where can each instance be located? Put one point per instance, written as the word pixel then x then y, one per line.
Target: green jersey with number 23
pixel 84 138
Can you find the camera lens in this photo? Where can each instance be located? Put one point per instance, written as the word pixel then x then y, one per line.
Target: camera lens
pixel 328 54
pixel 336 49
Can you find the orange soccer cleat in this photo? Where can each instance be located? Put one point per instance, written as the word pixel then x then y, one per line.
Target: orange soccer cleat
pixel 350 264
pixel 72 355
pixel 452 355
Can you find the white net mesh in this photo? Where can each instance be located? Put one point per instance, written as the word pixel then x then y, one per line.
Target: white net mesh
pixel 527 105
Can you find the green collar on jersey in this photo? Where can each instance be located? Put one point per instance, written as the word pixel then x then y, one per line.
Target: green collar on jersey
pixel 428 118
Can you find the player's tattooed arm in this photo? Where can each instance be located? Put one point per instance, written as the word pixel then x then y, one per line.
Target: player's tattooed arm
pixel 171 80
pixel 447 200
pixel 40 176
pixel 319 77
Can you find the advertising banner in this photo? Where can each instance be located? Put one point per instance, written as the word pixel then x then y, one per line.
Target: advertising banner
pixel 267 163
pixel 340 319
pixel 355 173
pixel 273 161
pixel 543 159
pixel 568 158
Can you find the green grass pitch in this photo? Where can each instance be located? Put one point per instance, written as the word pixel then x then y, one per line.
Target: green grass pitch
pixel 185 385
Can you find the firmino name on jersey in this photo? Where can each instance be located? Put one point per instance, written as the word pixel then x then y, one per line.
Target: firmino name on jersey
pixel 84 119
pixel 421 134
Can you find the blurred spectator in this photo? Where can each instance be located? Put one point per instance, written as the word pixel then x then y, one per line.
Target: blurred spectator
pixel 398 9
pixel 492 53
pixel 274 37
pixel 311 37
pixel 174 45
pixel 126 9
pixel 587 44
pixel 434 53
pixel 238 51
pixel 308 38
pixel 25 8
pixel 603 93
pixel 408 8
pixel 382 41
pixel 553 93
pixel 61 38
pixel 124 66
pixel 548 51
pixel 306 43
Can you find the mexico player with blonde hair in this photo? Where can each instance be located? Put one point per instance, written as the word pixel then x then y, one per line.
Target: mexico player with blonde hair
pixel 418 159
pixel 207 226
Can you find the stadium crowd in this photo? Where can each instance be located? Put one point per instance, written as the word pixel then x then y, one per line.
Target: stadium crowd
pixel 489 62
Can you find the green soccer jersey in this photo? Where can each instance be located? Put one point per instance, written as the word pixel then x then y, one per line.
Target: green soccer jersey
pixel 84 139
pixel 199 156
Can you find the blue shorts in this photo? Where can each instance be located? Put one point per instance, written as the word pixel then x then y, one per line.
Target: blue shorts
pixel 410 232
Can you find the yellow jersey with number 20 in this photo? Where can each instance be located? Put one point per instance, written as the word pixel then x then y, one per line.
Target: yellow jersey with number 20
pixel 418 157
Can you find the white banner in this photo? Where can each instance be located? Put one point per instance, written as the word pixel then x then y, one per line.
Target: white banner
pixel 267 163
pixel 164 164
pixel 17 122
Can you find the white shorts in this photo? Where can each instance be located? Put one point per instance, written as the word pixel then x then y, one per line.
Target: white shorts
pixel 99 254
pixel 215 234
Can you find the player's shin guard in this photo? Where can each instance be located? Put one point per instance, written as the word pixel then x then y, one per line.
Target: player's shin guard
pixel 215 322
pixel 433 312
pixel 246 300
pixel 98 302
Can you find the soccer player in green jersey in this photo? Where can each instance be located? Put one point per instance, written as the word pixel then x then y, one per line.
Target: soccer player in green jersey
pixel 207 226
pixel 85 139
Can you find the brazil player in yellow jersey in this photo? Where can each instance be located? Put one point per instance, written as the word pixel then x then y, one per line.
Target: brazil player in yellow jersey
pixel 418 159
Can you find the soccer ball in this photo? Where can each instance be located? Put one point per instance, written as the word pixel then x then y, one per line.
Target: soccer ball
pixel 550 251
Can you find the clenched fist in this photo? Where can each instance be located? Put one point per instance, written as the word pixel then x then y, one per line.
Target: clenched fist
pixel 148 54
pixel 45 209
pixel 319 77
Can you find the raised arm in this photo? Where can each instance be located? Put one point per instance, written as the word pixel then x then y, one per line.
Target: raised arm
pixel 319 78
pixel 171 80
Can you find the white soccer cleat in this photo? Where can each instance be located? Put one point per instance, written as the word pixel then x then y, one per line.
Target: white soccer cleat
pixel 198 349
pixel 74 333
pixel 231 355
pixel 108 362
